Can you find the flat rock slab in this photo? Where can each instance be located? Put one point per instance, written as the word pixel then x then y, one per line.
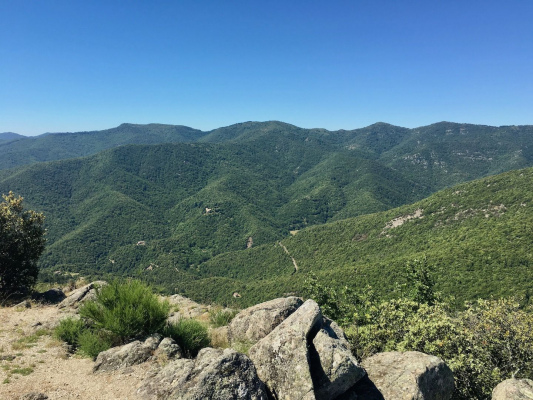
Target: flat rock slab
pixel 78 296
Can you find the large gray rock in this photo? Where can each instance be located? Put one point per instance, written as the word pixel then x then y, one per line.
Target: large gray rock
pixel 282 358
pixel 305 358
pixel 125 356
pixel 513 389
pixel 78 296
pixel 215 374
pixel 411 376
pixel 254 323
pixel 169 349
pixel 334 368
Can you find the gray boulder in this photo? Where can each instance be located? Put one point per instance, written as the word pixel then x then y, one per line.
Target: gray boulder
pixel 78 296
pixel 303 358
pixel 254 323
pixel 215 374
pixel 125 356
pixel 411 376
pixel 335 369
pixel 513 389
pixel 169 349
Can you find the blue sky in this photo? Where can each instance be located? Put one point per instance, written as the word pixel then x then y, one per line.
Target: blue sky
pixel 87 65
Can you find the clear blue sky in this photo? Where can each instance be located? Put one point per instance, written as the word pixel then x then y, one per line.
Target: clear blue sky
pixel 77 65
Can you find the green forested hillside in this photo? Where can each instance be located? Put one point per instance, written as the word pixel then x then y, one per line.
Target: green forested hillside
pixel 478 238
pixel 193 201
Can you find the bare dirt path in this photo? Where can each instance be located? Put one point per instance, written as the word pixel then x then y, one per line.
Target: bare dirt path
pixel 292 258
pixel 31 360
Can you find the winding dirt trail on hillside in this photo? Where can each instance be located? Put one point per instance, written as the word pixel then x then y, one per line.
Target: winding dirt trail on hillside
pixel 289 254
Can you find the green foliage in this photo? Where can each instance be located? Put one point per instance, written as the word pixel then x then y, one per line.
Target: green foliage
pixel 220 317
pixel 487 343
pixel 126 309
pixel 344 305
pixel 190 334
pixel 421 285
pixel 21 244
pixel 69 330
pixel 91 342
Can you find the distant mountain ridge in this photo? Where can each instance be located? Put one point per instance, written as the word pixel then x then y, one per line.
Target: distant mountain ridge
pixel 5 136
pixel 396 146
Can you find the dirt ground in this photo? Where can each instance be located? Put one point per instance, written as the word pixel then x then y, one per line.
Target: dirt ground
pixel 31 360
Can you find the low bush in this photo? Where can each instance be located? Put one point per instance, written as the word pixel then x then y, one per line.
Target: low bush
pixel 191 335
pixel 68 330
pixel 127 310
pixel 91 343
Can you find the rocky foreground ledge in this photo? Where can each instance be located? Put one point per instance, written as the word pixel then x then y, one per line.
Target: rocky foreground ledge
pixel 294 353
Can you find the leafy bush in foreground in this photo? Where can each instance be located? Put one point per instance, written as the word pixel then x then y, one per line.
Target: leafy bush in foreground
pixel 127 310
pixel 69 330
pixel 91 342
pixel 492 340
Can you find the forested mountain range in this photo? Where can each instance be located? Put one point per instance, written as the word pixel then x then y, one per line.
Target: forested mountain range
pixel 180 206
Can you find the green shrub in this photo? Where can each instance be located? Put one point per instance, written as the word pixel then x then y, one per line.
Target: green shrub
pixel 218 317
pixel 68 330
pixel 127 310
pixel 487 343
pixel 91 343
pixel 190 334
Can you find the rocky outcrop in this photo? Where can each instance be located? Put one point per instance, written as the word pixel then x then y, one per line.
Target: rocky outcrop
pixel 215 374
pixel 410 375
pixel 185 308
pixel 125 356
pixel 293 366
pixel 78 296
pixel 513 389
pixel 254 323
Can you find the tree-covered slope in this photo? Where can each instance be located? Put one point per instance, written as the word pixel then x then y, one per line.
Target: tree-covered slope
pixel 478 238
pixel 193 201
pixel 445 153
